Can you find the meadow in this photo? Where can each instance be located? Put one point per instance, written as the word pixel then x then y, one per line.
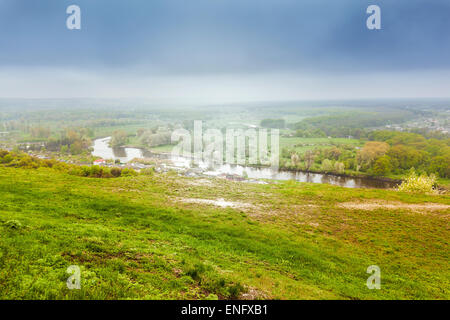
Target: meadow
pixel 169 237
pixel 301 145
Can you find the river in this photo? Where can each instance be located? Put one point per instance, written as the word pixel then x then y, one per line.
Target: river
pixel 103 150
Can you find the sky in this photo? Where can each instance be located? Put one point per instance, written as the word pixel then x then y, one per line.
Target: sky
pixel 218 51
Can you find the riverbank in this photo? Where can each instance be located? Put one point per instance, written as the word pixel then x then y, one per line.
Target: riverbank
pixel 442 184
pixel 102 149
pixel 348 175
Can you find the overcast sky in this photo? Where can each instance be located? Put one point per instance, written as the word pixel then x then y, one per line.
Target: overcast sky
pixel 225 50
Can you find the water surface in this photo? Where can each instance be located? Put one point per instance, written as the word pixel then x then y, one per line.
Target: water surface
pixel 103 150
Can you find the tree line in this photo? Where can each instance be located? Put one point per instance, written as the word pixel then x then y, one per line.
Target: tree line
pixel 386 153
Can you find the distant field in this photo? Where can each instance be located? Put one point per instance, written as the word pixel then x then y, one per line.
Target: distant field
pixel 303 144
pixel 163 237
pixel 130 129
pixel 165 148
pixel 292 143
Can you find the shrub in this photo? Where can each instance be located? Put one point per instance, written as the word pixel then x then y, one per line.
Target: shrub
pixel 196 271
pixel 418 184
pixel 13 224
pixel 61 166
pixel 7 158
pixel 128 172
pixel 76 171
pixel 85 171
pixel 116 172
pixel 382 166
pixel 96 171
pixel 441 165
pixel 327 165
pixel 148 172
pixel 339 167
pixel 17 159
pixel 235 290
pixel 106 173
pixel 48 163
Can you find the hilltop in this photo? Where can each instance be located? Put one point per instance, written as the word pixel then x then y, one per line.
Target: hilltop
pixel 169 237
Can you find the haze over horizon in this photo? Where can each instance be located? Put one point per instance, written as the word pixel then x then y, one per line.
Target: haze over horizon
pixel 225 51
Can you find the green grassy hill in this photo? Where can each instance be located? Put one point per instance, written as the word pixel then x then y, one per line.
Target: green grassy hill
pixel 169 237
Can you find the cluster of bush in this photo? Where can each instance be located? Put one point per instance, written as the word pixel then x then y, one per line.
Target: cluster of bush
pixel 154 137
pixel 101 172
pixel 205 276
pixel 71 141
pixel 22 160
pixel 407 150
pixel 388 152
pixel 334 159
pixel 418 183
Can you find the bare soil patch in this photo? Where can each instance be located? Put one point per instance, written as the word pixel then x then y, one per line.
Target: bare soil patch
pixel 220 202
pixel 392 205
pixel 254 294
pixel 200 183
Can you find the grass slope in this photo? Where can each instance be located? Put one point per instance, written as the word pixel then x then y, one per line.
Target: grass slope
pixel 140 238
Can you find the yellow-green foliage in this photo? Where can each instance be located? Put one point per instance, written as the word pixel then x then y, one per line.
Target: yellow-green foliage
pixel 23 160
pixel 418 184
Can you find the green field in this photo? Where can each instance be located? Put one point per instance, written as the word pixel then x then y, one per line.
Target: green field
pixel 108 131
pixel 157 237
pixel 162 149
pixel 301 145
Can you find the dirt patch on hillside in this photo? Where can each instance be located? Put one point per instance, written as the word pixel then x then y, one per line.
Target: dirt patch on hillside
pixel 220 203
pixel 121 190
pixel 254 294
pixel 391 205
pixel 200 183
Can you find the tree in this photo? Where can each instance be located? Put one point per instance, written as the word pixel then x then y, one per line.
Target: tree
pixel 371 151
pixel 71 136
pixel 333 153
pixel 40 132
pixel 327 165
pixel 119 138
pixel 309 159
pixel 382 166
pixel 285 153
pixel 76 148
pixel 406 157
pixel 151 139
pixel 295 159
pixel 441 166
pixel 350 163
pixel 339 167
pixel 140 132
